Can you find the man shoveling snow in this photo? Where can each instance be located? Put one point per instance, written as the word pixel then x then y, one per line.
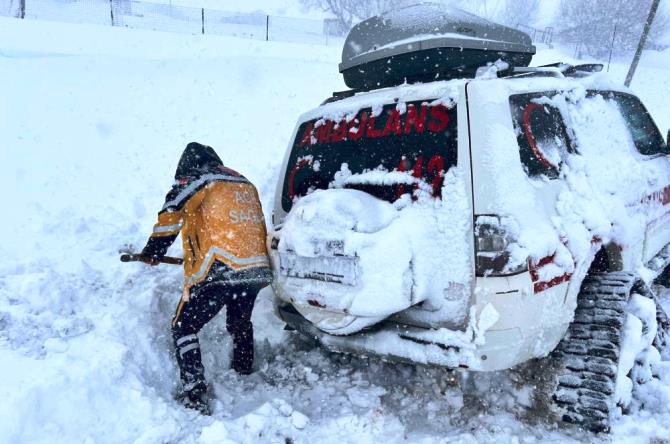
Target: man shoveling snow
pixel 219 215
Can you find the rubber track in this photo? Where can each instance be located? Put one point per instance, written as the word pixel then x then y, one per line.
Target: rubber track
pixel 590 352
pixel 662 340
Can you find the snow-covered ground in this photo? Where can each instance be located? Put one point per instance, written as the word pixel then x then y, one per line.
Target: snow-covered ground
pixel 92 122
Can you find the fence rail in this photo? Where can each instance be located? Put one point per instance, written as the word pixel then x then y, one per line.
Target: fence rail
pixel 181 19
pixel 545 35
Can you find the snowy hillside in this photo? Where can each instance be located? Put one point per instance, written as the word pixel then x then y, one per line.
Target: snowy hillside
pixel 92 122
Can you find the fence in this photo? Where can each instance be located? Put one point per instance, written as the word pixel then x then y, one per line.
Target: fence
pixel 182 19
pixel 545 35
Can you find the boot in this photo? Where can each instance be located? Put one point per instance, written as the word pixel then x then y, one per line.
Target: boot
pixel 195 398
pixel 192 373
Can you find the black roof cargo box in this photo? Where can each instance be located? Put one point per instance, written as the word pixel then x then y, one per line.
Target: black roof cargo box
pixel 427 42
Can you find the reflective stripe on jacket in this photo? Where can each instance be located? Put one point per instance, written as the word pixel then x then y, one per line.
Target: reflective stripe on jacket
pixel 220 219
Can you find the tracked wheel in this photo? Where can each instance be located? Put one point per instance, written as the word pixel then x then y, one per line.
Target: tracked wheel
pixel 607 351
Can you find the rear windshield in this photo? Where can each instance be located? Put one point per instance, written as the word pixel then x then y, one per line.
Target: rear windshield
pixel 417 137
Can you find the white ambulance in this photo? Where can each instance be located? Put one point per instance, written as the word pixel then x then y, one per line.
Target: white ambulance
pixel 458 208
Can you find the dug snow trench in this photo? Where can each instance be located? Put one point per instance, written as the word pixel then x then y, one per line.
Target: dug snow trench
pixel 93 120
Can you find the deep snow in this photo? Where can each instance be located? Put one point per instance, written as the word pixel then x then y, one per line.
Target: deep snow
pixel 92 121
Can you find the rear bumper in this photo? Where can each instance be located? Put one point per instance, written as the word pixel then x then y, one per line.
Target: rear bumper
pixel 501 349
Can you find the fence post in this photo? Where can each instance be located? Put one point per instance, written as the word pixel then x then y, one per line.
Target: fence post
pixel 267 28
pixel 203 19
pixel 611 48
pixel 111 11
pixel 550 34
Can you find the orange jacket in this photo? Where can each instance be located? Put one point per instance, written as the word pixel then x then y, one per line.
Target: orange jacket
pixel 220 219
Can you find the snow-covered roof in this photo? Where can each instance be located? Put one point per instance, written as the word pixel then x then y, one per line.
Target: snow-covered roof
pixel 402 93
pixel 450 89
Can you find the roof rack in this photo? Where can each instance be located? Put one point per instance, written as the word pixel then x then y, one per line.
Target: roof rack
pixel 339 95
pixel 558 69
pixel 583 70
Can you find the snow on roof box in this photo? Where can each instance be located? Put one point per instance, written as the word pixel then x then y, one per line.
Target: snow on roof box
pixel 427 42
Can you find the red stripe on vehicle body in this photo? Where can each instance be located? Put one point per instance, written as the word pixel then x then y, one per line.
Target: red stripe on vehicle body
pixel 540 286
pixel 660 196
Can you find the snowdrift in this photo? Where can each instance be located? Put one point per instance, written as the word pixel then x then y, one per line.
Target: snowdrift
pixel 93 120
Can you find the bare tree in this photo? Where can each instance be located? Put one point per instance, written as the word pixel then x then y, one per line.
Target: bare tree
pixel 509 12
pixel 591 24
pixel 347 12
pixel 20 11
pixel 519 12
pixel 477 7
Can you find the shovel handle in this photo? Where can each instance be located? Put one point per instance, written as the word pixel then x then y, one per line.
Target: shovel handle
pixel 127 257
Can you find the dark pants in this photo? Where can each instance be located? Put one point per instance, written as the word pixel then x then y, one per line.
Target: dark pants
pixel 204 303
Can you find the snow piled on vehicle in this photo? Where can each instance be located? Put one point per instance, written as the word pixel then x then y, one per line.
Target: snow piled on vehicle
pixel 609 196
pixel 404 253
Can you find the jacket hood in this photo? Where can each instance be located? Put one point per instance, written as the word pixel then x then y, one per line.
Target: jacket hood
pixel 196 160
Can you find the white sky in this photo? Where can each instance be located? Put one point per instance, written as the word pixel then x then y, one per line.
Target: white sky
pixel 294 8
pixel 289 8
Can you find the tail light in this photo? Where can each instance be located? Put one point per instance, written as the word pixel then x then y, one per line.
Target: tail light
pixel 493 237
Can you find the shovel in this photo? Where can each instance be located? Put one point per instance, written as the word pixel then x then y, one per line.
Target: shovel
pixel 129 257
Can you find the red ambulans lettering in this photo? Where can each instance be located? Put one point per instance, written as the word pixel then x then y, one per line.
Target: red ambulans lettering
pixel 306 138
pixel 416 120
pixel 366 125
pixel 324 132
pixel 340 131
pixel 356 132
pixel 373 133
pixel 439 118
pixel 393 124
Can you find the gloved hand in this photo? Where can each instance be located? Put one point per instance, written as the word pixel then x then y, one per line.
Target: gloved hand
pixel 150 260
